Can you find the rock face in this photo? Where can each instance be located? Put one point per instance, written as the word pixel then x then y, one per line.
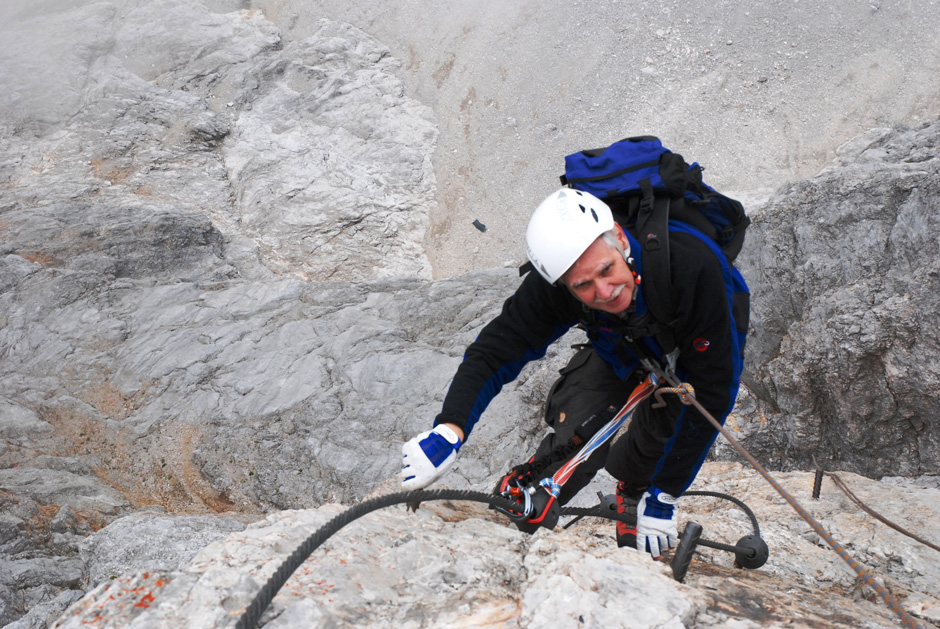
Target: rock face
pixel 162 341
pixel 306 156
pixel 845 274
pixel 455 563
pixel 759 96
pixel 215 303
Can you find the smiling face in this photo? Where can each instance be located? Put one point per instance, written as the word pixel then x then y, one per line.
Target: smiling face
pixel 600 278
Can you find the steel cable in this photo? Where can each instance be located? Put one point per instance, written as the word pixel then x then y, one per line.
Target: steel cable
pixel 861 505
pixel 863 573
pixel 252 614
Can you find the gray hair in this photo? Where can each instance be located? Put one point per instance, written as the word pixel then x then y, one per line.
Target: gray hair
pixel 610 237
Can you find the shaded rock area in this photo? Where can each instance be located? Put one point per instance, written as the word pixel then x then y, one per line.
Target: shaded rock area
pixel 455 563
pixel 844 352
pixel 218 324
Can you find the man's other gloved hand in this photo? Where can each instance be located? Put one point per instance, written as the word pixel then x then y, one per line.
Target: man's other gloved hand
pixel 426 457
pixel 656 522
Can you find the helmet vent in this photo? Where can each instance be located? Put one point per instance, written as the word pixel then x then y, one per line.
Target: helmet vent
pixel 562 228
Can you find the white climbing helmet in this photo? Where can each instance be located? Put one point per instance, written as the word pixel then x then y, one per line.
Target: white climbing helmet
pixel 563 226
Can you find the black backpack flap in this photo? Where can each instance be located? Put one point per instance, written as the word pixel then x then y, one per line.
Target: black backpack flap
pixel 731 238
pixel 675 174
pixel 720 218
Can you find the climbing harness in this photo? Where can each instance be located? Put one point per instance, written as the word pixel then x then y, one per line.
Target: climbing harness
pixel 539 508
pixel 534 508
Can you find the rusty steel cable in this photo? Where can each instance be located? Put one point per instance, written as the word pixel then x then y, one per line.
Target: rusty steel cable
pixel 864 574
pixel 861 505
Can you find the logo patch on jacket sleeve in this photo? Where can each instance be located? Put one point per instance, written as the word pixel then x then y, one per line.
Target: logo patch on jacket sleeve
pixel 700 344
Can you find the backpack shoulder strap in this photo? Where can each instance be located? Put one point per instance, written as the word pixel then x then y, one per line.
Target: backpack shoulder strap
pixel 652 232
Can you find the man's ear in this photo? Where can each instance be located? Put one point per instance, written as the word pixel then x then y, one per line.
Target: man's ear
pixel 621 236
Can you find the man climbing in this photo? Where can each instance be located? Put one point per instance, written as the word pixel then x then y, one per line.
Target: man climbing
pixel 590 274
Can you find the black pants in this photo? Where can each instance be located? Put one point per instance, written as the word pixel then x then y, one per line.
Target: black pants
pixel 588 385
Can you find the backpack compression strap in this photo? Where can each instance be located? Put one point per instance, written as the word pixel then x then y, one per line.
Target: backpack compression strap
pixel 652 231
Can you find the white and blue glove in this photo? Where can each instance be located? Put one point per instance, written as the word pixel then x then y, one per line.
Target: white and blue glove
pixel 426 457
pixel 656 522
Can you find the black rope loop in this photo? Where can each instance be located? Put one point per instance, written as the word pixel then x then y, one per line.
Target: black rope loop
pixel 252 614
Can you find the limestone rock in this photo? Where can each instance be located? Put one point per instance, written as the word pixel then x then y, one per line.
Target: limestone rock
pixel 307 157
pixel 43 614
pixel 150 542
pixel 330 165
pixel 845 273
pixel 456 563
pixel 184 150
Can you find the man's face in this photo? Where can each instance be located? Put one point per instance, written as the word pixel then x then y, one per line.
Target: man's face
pixel 601 279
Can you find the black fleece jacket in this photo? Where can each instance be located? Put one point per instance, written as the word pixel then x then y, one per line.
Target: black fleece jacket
pixel 539 313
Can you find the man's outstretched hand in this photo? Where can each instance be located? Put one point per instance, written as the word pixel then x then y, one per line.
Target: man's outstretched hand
pixel 426 457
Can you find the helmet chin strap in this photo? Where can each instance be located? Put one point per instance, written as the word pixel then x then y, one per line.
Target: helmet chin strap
pixel 631 264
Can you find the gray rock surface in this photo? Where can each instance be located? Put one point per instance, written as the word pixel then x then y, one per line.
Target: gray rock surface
pixel 845 268
pixel 761 95
pixel 455 563
pixel 154 350
pixel 45 613
pixel 183 153
pixel 150 542
pixel 306 155
pixel 217 228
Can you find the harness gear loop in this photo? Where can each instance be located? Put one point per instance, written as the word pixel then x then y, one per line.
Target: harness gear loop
pixel 685 392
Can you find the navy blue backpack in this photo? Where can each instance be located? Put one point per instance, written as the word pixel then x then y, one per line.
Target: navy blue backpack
pixel 646 186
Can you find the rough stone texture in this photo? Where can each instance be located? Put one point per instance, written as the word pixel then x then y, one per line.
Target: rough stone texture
pixel 150 542
pixel 761 94
pixel 846 274
pixel 331 185
pixel 44 613
pixel 179 179
pixel 155 153
pixel 456 563
pixel 306 155
pixel 256 395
